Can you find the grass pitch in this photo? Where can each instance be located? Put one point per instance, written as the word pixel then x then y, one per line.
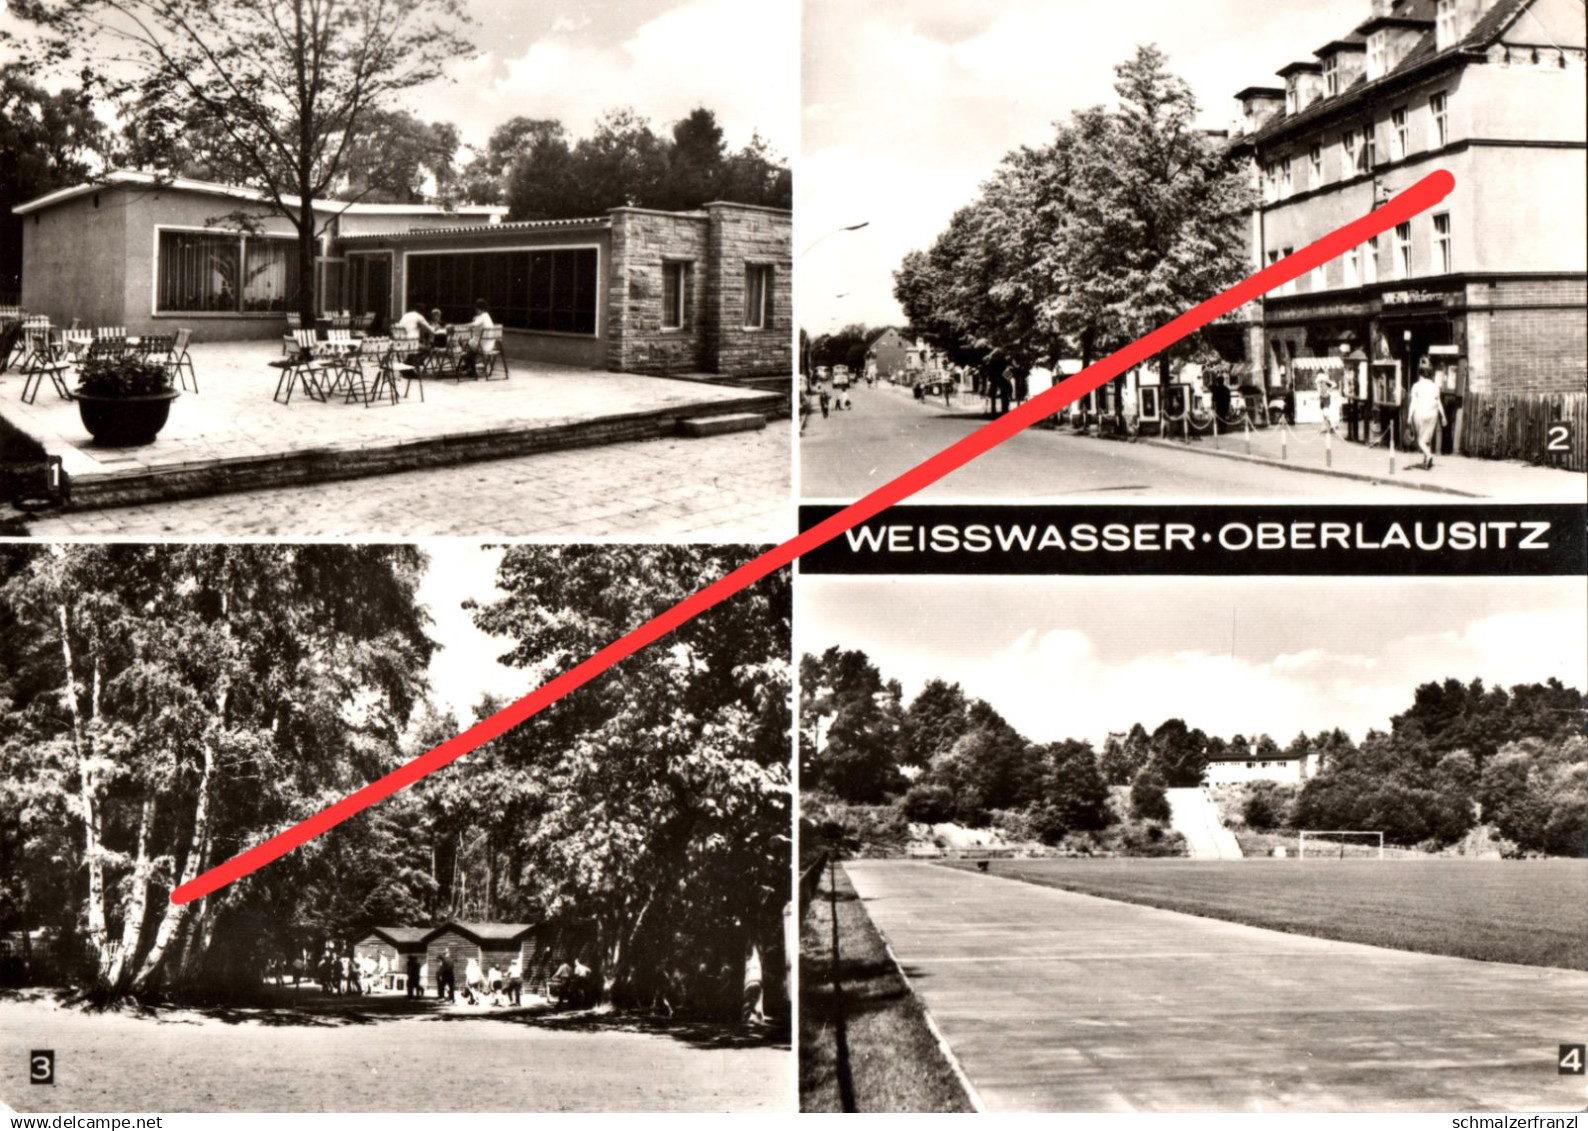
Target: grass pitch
pixel 864 1046
pixel 1532 912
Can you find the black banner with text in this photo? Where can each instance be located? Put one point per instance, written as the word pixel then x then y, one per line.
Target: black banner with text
pixel 1451 540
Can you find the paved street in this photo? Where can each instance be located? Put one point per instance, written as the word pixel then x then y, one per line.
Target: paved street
pixel 887 432
pixel 732 488
pixel 1055 1001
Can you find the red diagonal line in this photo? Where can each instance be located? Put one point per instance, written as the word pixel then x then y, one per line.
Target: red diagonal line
pixel 1418 198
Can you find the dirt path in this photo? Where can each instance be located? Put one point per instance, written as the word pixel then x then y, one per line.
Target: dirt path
pixel 433 1061
pixel 1055 1001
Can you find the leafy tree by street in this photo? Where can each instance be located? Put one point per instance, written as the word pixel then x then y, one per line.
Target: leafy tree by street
pixel 1127 217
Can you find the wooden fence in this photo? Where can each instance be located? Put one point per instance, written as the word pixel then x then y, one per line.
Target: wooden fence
pixel 1550 429
pixel 810 880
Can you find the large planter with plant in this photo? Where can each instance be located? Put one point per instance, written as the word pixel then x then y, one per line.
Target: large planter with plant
pixel 124 401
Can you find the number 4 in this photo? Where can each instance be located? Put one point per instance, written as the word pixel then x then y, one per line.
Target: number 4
pixel 1559 437
pixel 1571 1060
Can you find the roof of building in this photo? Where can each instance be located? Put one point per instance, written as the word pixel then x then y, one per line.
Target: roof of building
pixel 403 936
pixel 1300 66
pixel 1352 42
pixel 1256 757
pixel 586 222
pixel 1422 55
pixel 138 178
pixel 487 932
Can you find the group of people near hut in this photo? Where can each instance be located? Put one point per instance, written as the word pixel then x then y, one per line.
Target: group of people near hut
pixel 343 971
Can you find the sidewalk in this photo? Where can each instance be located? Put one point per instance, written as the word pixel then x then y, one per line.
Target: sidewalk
pixel 1302 449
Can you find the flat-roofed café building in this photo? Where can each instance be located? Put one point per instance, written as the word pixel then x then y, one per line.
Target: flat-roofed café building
pixel 636 290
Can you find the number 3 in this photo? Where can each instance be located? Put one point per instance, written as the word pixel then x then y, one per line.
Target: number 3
pixel 41 1067
pixel 1559 438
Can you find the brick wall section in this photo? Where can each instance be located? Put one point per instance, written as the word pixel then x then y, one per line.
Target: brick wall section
pixel 1532 338
pixel 741 235
pixel 641 241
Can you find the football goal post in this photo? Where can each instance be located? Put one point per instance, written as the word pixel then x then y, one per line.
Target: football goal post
pixel 1338 844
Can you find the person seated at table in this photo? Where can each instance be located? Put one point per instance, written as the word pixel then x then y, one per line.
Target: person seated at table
pixel 415 325
pixel 482 316
pixel 438 331
pixel 473 348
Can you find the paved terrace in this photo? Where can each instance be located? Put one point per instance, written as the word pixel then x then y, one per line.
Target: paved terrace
pixel 231 435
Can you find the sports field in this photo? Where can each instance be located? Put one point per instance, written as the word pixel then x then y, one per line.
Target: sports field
pixel 1533 912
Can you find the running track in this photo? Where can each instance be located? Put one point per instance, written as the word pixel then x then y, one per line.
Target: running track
pixel 1055 1001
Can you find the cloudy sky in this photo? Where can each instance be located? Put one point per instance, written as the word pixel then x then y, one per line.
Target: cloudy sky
pixel 465 667
pixel 910 104
pixel 1078 657
pixel 575 60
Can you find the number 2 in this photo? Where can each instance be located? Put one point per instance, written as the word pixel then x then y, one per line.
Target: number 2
pixel 1559 438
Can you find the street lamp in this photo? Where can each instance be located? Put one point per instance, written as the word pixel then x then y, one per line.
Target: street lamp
pixel 834 232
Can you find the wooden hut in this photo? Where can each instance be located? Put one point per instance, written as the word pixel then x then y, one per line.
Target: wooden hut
pixel 491 944
pixel 396 943
pixel 547 947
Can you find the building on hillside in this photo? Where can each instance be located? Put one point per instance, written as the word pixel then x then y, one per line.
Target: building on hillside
pixel 1283 768
pixel 1489 289
pixel 635 290
pixel 889 352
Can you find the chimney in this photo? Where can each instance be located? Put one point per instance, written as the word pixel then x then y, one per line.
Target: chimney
pixel 1259 104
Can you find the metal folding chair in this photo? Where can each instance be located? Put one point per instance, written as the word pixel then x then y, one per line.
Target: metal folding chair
pixel 301 368
pixel 375 353
pixel 492 354
pixel 40 359
pixel 406 362
pixel 179 363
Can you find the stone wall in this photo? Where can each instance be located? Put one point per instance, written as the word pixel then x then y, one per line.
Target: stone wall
pixel 642 240
pixel 742 235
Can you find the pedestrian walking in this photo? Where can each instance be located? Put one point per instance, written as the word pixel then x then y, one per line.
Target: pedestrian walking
pixel 515 981
pixel 446 983
pixel 1424 410
pixel 1221 400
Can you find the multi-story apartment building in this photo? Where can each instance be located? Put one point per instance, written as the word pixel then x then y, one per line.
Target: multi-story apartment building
pixel 1489 287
